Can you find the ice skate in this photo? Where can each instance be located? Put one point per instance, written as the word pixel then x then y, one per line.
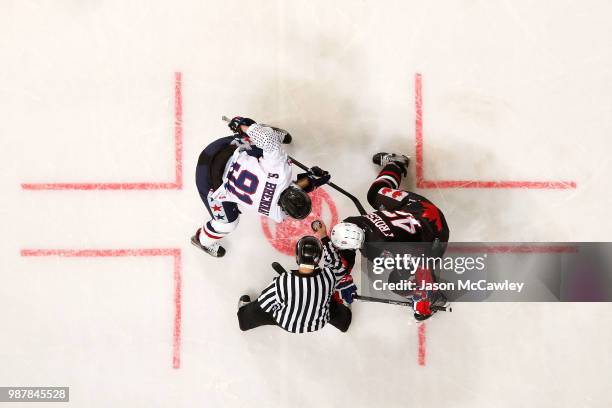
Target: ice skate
pixel 215 249
pixel 243 301
pixel 382 159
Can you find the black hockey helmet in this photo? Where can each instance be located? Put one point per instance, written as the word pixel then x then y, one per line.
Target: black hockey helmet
pixel 308 252
pixel 295 202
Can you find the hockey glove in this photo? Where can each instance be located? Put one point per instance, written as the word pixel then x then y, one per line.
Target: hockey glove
pixel 347 288
pixel 316 178
pixel 422 309
pixel 238 121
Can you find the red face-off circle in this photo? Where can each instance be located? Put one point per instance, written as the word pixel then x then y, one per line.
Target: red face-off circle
pixel 283 236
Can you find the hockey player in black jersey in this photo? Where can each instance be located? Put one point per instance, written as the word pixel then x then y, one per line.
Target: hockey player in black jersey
pixel 399 216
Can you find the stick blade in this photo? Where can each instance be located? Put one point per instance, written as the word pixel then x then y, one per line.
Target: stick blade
pixel 278 268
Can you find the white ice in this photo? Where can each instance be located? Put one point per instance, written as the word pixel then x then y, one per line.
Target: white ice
pixel 511 91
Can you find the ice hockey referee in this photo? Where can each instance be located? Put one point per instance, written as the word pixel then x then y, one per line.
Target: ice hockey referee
pixel 301 300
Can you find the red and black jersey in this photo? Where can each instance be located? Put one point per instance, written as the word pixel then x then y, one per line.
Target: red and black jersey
pixel 402 216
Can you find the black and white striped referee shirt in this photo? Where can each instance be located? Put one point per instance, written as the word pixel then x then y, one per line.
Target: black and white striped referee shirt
pixel 300 302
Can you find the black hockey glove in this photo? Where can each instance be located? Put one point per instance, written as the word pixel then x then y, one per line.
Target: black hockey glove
pixel 316 178
pixel 238 121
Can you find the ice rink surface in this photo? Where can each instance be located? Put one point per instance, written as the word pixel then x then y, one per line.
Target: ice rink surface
pixel 117 99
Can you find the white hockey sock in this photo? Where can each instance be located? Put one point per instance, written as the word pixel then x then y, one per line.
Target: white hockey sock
pixel 208 237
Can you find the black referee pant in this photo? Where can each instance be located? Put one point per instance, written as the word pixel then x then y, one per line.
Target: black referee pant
pixel 252 315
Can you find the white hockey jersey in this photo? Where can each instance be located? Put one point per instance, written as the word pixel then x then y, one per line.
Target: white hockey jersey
pixel 256 183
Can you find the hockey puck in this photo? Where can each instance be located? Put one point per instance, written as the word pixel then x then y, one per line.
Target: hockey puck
pixel 315 225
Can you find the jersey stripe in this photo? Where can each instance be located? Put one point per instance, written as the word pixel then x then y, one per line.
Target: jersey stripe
pixel 300 303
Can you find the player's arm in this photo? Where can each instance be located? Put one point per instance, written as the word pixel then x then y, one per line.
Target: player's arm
pixel 244 128
pixel 339 262
pixel 333 258
pixel 270 299
pixel 239 125
pixel 314 178
pixel 284 136
pixel 346 286
pixel 266 138
pixel 269 141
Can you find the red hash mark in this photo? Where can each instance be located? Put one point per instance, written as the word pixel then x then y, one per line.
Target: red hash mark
pixel 422 343
pixel 100 253
pixel 493 249
pixel 177 184
pixel 421 182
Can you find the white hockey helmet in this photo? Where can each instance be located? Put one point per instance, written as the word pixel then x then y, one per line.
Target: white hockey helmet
pixel 346 235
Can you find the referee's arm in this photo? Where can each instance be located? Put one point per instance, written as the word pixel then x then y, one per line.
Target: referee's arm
pixel 333 261
pixel 270 299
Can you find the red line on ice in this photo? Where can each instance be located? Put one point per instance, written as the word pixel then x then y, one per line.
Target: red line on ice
pixel 421 182
pixel 177 184
pixel 499 249
pixel 175 253
pixel 418 124
pixel 422 344
pixel 176 337
pixel 178 130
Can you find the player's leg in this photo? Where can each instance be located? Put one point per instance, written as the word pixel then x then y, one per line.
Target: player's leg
pixel 211 163
pixel 207 238
pixel 394 166
pixel 223 216
pixel 340 316
pixel 224 219
pixel 251 315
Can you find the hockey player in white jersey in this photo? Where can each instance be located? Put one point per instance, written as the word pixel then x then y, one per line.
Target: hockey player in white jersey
pixel 250 169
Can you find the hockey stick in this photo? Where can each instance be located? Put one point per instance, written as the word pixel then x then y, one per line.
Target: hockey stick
pixel 339 189
pixel 399 303
pixel 278 268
